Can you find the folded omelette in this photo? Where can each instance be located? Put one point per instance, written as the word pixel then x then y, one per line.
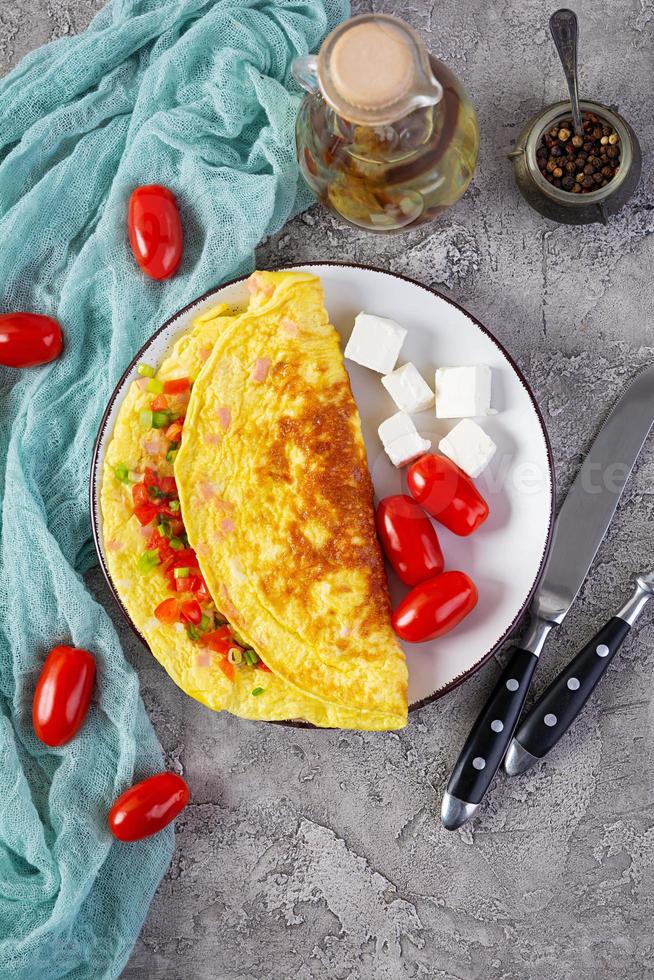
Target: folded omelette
pixel 238 519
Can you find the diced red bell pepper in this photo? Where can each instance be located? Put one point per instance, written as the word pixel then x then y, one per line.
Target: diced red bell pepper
pixel 168 485
pixel 220 640
pixel 186 558
pixel 176 386
pixel 191 612
pixel 167 611
pixel 174 431
pixel 264 667
pixel 145 513
pixel 140 495
pixel 227 669
pixel 159 404
pixel 202 594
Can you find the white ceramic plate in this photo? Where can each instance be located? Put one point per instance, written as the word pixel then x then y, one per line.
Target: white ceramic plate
pixel 507 555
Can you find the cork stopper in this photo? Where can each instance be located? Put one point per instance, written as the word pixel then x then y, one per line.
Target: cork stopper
pixel 373 69
pixel 372 65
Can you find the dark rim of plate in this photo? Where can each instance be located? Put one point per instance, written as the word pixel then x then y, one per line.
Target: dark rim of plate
pixel 93 492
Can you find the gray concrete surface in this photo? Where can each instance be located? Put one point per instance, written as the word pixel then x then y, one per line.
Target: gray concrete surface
pixel 320 854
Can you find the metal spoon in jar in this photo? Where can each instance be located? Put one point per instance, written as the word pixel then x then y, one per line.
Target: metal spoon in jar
pixel 565 31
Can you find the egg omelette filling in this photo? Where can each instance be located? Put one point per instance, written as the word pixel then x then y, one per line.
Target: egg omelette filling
pixel 238 518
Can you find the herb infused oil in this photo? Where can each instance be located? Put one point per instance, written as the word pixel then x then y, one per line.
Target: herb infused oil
pixel 387 137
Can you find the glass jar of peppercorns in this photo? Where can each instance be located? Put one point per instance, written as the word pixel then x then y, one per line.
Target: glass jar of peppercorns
pixel 577 179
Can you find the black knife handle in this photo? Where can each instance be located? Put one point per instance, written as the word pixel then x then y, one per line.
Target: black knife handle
pixel 482 754
pixel 556 709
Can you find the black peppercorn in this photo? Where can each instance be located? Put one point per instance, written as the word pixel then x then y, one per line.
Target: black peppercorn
pixel 579 164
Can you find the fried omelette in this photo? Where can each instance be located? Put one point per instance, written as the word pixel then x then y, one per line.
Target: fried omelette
pixel 238 520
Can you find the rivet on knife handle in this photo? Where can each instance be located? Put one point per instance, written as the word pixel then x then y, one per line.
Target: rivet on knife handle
pixel 556 710
pixel 489 738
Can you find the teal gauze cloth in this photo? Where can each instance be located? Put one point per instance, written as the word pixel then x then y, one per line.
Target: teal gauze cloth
pixel 194 95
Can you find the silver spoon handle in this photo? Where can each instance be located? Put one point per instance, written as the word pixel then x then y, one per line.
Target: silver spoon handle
pixel 565 31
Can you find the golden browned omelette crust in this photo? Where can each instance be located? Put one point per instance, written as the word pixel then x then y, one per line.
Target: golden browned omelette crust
pixel 340 485
pixel 277 497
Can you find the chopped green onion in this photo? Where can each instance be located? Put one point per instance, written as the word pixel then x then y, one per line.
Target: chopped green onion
pixel 145 371
pixel 160 419
pixel 156 493
pixel 122 473
pixel 155 386
pixel 145 418
pixel 250 657
pixel 176 544
pixel 257 691
pixel 204 623
pixel 148 560
pixel 163 525
pixel 173 416
pixel 181 572
pixel 171 455
pixel 192 632
pixel 234 656
pixel 174 506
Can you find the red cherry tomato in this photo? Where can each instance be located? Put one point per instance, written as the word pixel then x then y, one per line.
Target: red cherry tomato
pixel 63 694
pixel 168 611
pixel 148 807
pixel 155 230
pixel 192 612
pixel 435 607
pixel 28 339
pixel 409 539
pixel 447 493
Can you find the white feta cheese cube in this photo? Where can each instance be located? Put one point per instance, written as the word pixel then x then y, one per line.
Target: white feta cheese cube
pixel 375 342
pixel 401 440
pixel 408 389
pixel 462 392
pixel 469 447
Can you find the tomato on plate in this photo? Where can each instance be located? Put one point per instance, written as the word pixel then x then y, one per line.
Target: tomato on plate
pixel 176 386
pixel 220 640
pixel 148 807
pixel 409 540
pixel 29 339
pixel 155 230
pixel 447 493
pixel 435 607
pixel 191 612
pixel 167 611
pixel 63 694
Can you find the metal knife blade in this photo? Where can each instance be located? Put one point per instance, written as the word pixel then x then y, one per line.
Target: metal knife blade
pixel 591 501
pixel 579 529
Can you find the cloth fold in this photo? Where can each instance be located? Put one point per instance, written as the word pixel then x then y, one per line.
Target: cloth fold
pixel 197 96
